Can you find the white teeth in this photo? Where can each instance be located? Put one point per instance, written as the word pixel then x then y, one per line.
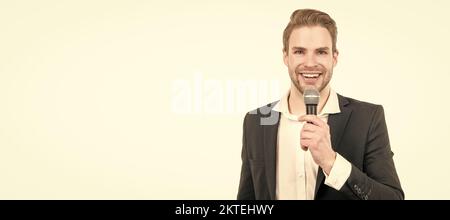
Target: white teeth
pixel 311 75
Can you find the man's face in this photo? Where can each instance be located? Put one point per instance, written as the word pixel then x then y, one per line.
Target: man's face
pixel 309 58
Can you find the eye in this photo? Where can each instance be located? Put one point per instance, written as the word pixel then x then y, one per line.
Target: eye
pixel 299 52
pixel 323 52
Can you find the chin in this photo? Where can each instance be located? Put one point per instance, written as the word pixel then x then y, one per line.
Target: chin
pixel 304 86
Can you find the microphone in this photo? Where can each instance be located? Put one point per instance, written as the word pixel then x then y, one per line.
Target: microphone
pixel 311 98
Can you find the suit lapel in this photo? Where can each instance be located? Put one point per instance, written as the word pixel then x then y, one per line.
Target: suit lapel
pixel 270 145
pixel 337 124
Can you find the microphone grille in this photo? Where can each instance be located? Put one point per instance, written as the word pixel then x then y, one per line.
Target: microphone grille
pixel 311 96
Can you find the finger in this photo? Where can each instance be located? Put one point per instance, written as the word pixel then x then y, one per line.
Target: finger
pixel 305 148
pixel 309 127
pixel 304 144
pixel 312 119
pixel 310 143
pixel 307 135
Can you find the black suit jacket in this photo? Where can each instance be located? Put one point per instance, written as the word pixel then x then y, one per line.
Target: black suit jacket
pixel 358 133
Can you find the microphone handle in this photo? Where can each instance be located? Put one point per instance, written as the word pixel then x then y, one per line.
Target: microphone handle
pixel 311 109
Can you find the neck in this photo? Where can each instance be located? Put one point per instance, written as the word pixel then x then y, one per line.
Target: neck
pixel 297 104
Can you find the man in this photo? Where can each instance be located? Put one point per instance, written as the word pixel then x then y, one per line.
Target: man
pixel 342 153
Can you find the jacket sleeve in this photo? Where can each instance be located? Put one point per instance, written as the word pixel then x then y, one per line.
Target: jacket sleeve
pixel 246 190
pixel 379 179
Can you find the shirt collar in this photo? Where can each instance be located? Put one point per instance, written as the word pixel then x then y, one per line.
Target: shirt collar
pixel 331 106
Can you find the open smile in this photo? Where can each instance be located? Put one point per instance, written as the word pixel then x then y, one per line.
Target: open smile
pixel 310 77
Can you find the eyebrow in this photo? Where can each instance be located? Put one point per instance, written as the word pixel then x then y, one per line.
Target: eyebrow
pixel 302 48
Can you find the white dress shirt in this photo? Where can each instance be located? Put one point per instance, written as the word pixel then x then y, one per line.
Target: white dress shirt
pixel 296 171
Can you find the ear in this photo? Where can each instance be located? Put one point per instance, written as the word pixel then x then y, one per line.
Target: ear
pixel 335 57
pixel 285 58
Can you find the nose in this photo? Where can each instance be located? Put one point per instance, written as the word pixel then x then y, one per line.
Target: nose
pixel 310 60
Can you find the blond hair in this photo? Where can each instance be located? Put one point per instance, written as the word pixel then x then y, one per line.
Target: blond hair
pixel 309 17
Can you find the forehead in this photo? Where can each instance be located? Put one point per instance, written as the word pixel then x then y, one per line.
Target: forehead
pixel 310 37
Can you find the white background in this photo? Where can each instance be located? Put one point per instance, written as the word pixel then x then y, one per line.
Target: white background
pixel 87 91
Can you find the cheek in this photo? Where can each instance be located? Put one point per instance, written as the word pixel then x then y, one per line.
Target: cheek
pixel 327 63
pixel 294 62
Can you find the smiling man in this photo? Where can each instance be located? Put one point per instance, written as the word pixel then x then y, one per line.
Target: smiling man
pixel 342 153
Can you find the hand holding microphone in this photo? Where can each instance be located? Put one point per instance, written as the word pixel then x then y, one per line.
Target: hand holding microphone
pixel 315 134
